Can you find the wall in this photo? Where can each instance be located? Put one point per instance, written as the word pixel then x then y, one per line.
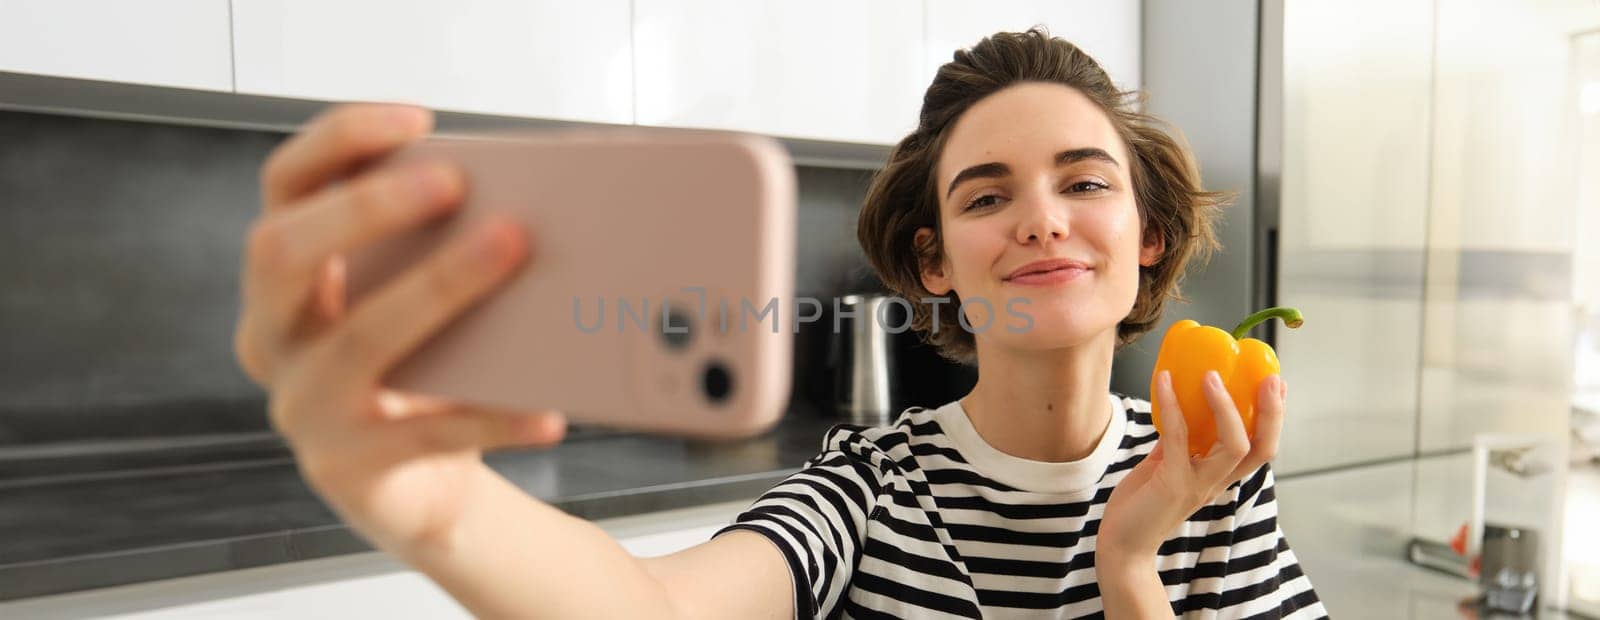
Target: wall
pixel 119 261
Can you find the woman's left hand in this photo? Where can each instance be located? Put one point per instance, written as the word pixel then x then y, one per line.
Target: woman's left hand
pixel 1168 486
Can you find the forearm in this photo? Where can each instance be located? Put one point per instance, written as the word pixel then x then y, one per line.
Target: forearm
pixel 511 555
pixel 1131 588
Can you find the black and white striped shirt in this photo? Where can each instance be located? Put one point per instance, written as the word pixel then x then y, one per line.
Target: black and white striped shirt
pixel 924 519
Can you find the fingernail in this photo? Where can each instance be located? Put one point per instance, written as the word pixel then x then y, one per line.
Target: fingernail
pixel 492 241
pixel 499 241
pixel 409 117
pixel 438 182
pixel 1214 378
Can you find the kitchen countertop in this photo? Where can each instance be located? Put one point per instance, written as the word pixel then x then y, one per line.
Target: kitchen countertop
pixel 1349 529
pixel 99 531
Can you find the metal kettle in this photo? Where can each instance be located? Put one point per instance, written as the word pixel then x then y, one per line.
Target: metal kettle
pixel 862 358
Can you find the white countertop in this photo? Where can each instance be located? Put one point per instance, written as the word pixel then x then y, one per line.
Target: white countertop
pixel 1349 529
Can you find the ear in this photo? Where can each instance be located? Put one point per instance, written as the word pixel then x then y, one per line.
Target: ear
pixel 933 273
pixel 1153 248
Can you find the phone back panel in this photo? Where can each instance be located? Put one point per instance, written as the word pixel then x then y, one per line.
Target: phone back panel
pixel 623 224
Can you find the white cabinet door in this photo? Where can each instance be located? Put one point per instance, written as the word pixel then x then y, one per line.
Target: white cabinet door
pixel 827 69
pixel 181 43
pixel 1107 29
pixel 542 58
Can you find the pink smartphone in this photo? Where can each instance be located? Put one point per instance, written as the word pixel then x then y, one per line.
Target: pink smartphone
pixel 662 263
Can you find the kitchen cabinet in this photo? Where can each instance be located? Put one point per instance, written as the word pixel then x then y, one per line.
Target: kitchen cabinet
pixel 543 59
pixel 831 71
pixel 179 43
pixel 1108 31
pixel 827 70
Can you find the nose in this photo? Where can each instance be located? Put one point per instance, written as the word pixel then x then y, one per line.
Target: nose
pixel 1041 219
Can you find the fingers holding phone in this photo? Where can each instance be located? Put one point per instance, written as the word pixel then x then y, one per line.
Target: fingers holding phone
pixel 403 314
pixel 289 262
pixel 323 199
pixel 372 453
pixel 449 342
pixel 335 144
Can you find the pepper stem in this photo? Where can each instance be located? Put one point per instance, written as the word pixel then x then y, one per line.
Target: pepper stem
pixel 1290 317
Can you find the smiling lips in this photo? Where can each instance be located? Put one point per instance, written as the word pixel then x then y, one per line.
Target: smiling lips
pixel 1048 272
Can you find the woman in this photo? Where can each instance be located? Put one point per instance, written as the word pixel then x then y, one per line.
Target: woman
pixel 1030 183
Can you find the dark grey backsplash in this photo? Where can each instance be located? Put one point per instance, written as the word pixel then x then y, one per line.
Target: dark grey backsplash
pixel 119 260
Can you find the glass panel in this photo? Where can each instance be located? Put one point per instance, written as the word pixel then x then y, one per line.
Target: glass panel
pixel 1352 226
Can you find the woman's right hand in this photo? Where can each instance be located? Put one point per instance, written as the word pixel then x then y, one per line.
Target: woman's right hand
pixel 1168 485
pixel 397 467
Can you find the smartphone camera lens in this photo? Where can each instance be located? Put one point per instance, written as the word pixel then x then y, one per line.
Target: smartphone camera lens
pixel 716 381
pixel 674 324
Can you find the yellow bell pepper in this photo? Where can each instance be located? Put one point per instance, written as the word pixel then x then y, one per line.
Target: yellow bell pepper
pixel 1189 349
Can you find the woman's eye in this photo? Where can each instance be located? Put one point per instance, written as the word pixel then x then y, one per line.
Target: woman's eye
pixel 1086 186
pixel 982 201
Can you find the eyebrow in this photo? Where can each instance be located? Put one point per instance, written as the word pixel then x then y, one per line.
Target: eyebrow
pixel 993 170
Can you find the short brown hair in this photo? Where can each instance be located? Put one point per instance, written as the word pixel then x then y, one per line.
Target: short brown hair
pixel 903 197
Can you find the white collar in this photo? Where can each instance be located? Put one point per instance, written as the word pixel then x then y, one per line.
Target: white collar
pixel 1080 477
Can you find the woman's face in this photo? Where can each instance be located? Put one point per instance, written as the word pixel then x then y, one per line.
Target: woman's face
pixel 1035 172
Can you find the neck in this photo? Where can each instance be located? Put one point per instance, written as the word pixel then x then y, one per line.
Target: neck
pixel 1043 405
